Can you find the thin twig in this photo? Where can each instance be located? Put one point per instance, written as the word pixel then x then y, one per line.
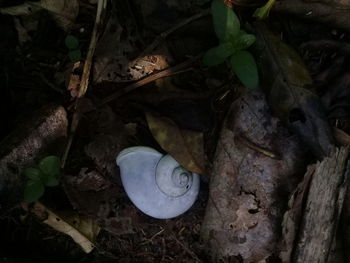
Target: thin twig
pixel 163 35
pixel 190 252
pixel 101 7
pixel 151 239
pixel 88 62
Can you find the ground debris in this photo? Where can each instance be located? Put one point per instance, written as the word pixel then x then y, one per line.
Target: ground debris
pixel 36 137
pixel 148 86
pixel 81 229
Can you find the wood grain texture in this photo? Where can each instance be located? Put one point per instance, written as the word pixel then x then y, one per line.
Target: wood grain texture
pixel 310 224
pixel 323 208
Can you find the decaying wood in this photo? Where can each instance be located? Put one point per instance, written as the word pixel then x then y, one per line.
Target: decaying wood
pixel 249 186
pixel 316 205
pixel 33 139
pixel 344 228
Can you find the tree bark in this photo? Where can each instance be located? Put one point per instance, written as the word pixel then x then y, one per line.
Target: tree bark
pixel 314 219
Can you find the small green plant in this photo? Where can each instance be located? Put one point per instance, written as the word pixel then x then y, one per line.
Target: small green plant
pixel 45 174
pixel 264 11
pixel 72 43
pixel 233 44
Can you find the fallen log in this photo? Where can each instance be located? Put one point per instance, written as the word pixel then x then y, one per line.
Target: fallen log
pixel 256 167
pixel 310 225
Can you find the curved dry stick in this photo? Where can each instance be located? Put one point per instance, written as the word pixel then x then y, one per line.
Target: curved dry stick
pixel 163 35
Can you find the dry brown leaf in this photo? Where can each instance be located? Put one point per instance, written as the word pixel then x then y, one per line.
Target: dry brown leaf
pixel 184 146
pixel 115 47
pixel 81 229
pixel 146 65
pixel 74 80
pixel 195 140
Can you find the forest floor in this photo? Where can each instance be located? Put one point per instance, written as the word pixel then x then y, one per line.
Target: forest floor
pixel 147 76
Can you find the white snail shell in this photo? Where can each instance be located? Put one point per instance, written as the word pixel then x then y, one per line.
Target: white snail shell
pixel 157 184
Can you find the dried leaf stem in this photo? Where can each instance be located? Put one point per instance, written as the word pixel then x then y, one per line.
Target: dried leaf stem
pixel 101 7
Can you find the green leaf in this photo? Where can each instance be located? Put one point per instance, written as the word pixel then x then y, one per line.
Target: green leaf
pixel 74 55
pixel 52 181
pixel 33 173
pixel 226 23
pixel 50 165
pixel 33 190
pixel 71 42
pixel 244 65
pixel 243 41
pixel 218 55
pixel 264 11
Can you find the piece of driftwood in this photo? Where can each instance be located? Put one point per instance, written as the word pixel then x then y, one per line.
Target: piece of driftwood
pixel 35 137
pixel 255 169
pixel 309 227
